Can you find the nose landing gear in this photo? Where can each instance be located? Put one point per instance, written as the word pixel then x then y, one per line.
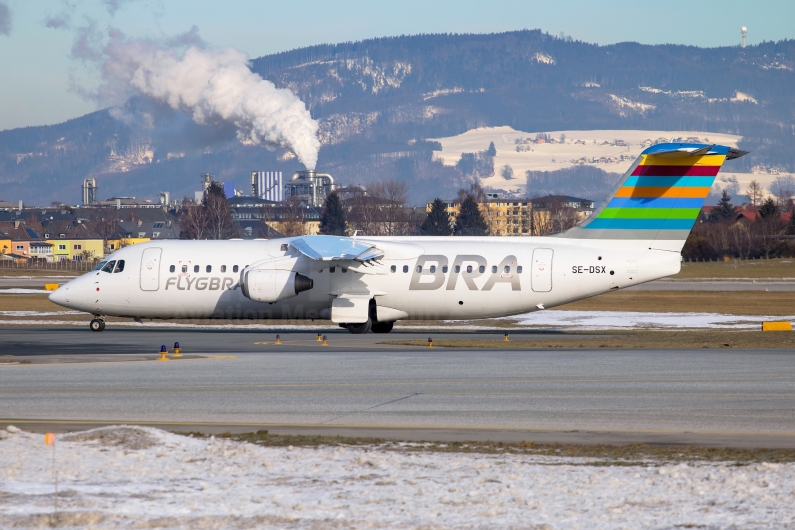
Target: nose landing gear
pixel 97 324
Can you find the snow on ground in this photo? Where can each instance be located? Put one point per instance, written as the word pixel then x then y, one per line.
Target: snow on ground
pixel 640 320
pixel 24 291
pixel 133 477
pixel 549 318
pixel 551 157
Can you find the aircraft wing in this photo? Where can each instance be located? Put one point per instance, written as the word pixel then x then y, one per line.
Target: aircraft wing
pixel 358 255
pixel 336 248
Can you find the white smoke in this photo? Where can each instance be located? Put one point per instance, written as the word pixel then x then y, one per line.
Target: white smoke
pixel 5 19
pixel 214 87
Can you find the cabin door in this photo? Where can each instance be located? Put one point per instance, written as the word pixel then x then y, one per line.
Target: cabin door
pixel 150 269
pixel 542 270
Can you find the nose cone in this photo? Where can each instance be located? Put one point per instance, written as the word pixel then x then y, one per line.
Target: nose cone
pixel 60 296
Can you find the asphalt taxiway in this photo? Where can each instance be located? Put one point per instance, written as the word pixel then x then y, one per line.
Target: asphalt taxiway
pixel 357 385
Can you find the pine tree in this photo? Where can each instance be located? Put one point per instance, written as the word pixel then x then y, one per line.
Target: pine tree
pixel 437 222
pixel 491 151
pixel 768 210
pixel 470 221
pixel 724 211
pixel 332 217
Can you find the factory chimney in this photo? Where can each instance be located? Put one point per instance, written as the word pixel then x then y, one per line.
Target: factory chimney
pixel 90 190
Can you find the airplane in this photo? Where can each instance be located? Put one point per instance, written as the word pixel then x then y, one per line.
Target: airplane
pixel 368 283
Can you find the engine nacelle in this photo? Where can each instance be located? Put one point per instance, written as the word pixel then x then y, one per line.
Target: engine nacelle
pixel 274 285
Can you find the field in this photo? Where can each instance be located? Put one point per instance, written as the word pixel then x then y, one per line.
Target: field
pixel 778 269
pixel 551 157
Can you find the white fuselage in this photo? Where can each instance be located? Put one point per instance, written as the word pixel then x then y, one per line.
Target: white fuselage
pixel 460 278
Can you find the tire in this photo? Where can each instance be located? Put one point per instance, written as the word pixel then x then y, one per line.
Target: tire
pixel 96 325
pixel 358 329
pixel 382 327
pixel 103 326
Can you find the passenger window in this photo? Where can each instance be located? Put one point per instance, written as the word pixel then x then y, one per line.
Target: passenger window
pixel 209 268
pixel 109 266
pixel 184 268
pixel 223 268
pixel 195 268
pixel 405 268
pixel 519 269
pixel 419 268
pixel 444 269
pixel 119 266
pixel 234 269
pixel 433 268
pixel 482 269
pixel 332 269
pixel 469 268
pixel 344 269
pixel 507 268
pixel 393 268
pixel 172 268
pixel 458 268
pixel 493 268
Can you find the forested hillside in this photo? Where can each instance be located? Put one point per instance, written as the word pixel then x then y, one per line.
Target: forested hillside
pixel 378 99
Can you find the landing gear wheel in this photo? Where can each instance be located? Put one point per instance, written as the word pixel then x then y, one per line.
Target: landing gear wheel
pixel 382 327
pixel 97 324
pixel 358 329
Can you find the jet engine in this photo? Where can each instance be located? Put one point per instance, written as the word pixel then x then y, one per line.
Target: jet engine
pixel 274 285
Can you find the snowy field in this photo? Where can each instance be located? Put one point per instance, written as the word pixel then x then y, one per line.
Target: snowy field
pixel 551 157
pixel 595 320
pixel 132 477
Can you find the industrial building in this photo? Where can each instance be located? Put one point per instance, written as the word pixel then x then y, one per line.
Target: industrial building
pixel 310 187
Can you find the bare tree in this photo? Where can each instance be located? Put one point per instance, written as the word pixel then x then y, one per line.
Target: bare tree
pixel 552 216
pixel 191 220
pixel 218 213
pixel 364 212
pixel 783 188
pixel 392 218
pixel 292 215
pixel 754 192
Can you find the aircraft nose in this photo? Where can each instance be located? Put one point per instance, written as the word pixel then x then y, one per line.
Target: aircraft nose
pixel 60 296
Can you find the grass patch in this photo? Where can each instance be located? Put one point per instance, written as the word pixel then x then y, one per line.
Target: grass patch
pixel 720 339
pixel 751 269
pixel 757 303
pixel 632 454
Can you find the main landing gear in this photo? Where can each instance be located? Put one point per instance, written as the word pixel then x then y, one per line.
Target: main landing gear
pixel 97 324
pixel 372 323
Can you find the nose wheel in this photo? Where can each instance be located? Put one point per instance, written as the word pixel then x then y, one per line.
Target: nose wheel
pixel 97 324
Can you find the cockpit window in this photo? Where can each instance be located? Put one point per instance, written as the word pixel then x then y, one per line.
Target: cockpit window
pixel 99 265
pixel 109 266
pixel 119 266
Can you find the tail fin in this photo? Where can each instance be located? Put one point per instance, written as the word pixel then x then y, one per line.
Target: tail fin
pixel 659 197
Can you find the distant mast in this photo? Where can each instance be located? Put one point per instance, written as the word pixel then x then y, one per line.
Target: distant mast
pixel 743 32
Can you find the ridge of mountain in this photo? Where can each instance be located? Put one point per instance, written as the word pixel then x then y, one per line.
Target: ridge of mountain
pixel 378 99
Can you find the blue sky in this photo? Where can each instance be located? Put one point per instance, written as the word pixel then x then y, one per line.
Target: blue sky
pixel 35 88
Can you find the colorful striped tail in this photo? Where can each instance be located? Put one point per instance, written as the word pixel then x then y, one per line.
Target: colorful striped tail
pixel 660 196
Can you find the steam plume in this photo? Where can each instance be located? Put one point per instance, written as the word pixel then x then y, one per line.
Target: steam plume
pixel 214 87
pixel 5 19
